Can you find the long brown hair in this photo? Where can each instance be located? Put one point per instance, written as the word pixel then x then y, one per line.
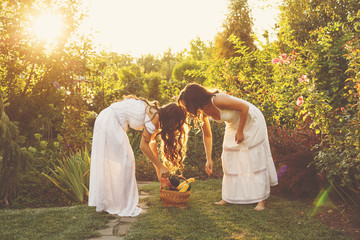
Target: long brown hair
pixel 195 97
pixel 174 135
pixel 172 131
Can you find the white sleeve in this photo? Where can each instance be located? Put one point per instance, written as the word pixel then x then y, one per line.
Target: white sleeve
pixel 150 127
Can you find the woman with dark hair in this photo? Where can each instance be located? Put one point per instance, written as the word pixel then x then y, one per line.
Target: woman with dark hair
pixel 113 185
pixel 248 167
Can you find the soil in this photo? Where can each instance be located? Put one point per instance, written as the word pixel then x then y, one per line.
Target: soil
pixel 341 218
pixel 335 214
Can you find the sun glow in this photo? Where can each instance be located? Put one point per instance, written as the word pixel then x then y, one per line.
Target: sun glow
pixel 48 27
pixel 140 27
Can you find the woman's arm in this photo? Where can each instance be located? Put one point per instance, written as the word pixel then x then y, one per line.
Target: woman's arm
pixel 153 147
pixel 207 138
pixel 224 101
pixel 149 148
pixel 146 148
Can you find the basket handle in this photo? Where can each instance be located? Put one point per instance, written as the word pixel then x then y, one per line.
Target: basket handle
pixel 177 175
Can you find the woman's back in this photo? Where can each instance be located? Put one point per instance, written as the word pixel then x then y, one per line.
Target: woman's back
pixel 130 112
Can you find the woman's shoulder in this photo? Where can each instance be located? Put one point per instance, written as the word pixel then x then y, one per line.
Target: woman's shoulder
pixel 152 113
pixel 222 97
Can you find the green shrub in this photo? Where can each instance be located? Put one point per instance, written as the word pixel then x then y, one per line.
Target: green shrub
pixel 145 170
pixel 36 191
pixel 196 157
pixel 71 175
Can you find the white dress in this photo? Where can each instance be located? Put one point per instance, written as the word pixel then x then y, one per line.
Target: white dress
pixel 248 167
pixel 113 186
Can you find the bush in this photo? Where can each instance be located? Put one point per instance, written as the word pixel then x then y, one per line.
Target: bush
pixel 196 157
pixel 36 191
pixel 293 157
pixel 144 170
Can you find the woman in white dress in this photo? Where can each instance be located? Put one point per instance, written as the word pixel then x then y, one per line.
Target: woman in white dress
pixel 248 167
pixel 113 185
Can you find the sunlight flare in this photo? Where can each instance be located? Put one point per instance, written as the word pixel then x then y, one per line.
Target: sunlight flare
pixel 48 27
pixel 322 199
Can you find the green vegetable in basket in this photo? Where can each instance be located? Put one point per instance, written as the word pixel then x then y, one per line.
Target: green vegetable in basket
pixel 174 180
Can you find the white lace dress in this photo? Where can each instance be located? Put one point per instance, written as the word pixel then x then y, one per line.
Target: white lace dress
pixel 248 167
pixel 113 186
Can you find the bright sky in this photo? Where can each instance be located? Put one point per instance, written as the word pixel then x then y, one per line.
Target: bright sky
pixel 138 27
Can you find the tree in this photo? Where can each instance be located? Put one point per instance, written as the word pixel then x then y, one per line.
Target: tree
pixel 198 50
pixel 300 17
pixel 149 63
pixel 182 72
pixel 13 159
pixel 238 23
pixel 153 83
pixel 37 77
pixel 168 61
pixel 132 81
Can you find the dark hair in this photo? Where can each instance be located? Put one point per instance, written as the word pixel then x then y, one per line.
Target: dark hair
pixel 195 97
pixel 173 132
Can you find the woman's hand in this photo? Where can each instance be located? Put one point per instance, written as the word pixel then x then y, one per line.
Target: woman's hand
pixel 164 172
pixel 239 137
pixel 208 167
pixel 164 175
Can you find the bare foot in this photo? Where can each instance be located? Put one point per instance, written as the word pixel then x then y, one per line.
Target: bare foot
pixel 260 206
pixel 222 202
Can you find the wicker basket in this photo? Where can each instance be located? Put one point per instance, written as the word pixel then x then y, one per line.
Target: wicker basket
pixel 174 198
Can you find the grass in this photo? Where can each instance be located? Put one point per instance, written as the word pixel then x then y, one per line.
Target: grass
pixel 78 222
pixel 282 219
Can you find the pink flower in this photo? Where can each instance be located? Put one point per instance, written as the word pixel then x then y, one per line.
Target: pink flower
pixel 342 109
pixel 142 162
pixel 276 60
pixel 175 98
pixel 300 101
pixel 304 78
pixel 283 56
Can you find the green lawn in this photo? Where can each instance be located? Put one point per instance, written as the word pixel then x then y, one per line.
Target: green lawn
pixel 78 222
pixel 282 219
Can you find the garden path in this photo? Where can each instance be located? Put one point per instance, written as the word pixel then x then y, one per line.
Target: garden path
pixel 116 228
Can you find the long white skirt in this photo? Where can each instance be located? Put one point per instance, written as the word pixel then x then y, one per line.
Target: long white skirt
pixel 249 170
pixel 113 186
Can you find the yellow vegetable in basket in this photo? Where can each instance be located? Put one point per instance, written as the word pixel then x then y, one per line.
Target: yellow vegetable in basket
pixel 185 184
pixel 185 187
pixel 190 180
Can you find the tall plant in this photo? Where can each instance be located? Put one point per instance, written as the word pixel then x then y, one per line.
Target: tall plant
pixel 71 175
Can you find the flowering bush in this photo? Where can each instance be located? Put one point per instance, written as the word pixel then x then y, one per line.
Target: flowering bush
pixel 339 158
pixel 315 81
